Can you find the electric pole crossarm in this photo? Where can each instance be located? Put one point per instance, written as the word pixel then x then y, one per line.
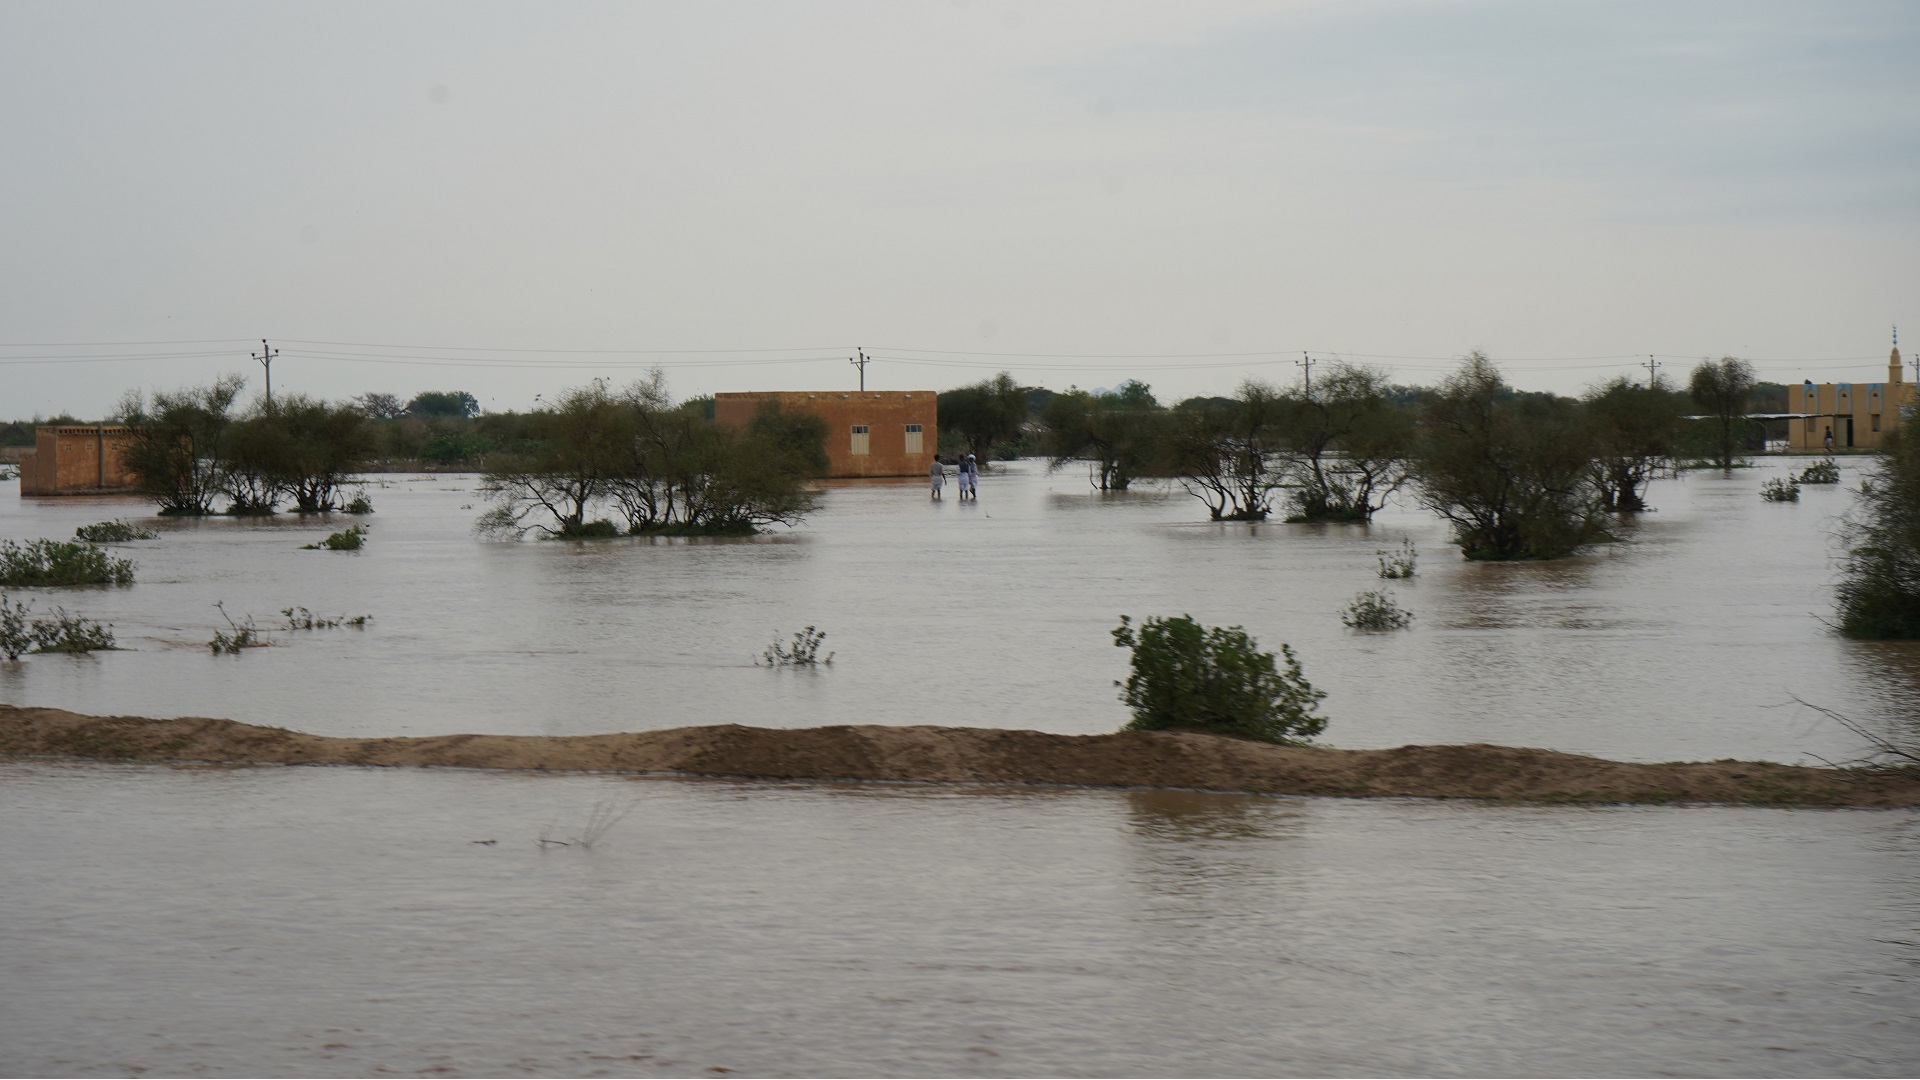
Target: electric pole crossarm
pixel 265 356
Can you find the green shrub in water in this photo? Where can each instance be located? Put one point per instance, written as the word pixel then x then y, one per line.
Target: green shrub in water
pixel 345 540
pixel 299 618
pixel 1778 490
pixel 1214 679
pixel 1395 565
pixel 803 652
pixel 1879 593
pixel 117 531
pixel 1375 609
pixel 59 632
pixel 237 635
pixel 598 529
pixel 39 563
pixel 1820 472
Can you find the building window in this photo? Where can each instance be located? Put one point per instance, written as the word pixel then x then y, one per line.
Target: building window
pixel 860 440
pixel 1813 426
pixel 914 445
pixel 1876 421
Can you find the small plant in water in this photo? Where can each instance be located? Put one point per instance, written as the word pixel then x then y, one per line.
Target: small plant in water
pixel 359 504
pixel 117 531
pixel 1395 565
pixel 61 562
pixel 1820 472
pixel 16 630
pixel 1375 610
pixel 603 817
pixel 237 636
pixel 345 540
pixel 804 651
pixel 59 632
pixel 299 618
pixel 1778 490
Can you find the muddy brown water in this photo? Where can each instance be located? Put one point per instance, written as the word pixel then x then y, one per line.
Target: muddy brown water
pixel 343 921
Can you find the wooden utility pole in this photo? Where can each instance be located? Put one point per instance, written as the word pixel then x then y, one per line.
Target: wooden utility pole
pixel 265 356
pixel 1653 367
pixel 1305 364
pixel 861 363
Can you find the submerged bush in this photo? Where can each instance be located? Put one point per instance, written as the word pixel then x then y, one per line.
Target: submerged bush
pixel 16 629
pixel 1214 679
pixel 1395 565
pixel 1375 610
pixel 117 531
pixel 359 504
pixel 300 618
pixel 237 635
pixel 1778 490
pixel 597 529
pixel 1820 472
pixel 38 563
pixel 59 632
pixel 345 540
pixel 803 652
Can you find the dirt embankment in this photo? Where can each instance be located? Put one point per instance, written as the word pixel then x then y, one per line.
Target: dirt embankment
pixel 1156 759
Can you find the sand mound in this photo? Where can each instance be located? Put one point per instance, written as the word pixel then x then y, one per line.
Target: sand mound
pixel 1158 759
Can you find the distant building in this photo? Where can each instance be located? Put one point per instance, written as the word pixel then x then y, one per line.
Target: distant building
pixel 1858 414
pixel 76 459
pixel 869 432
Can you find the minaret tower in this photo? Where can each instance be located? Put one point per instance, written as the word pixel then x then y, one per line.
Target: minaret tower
pixel 1893 361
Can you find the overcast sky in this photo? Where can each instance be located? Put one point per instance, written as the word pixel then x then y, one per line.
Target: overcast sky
pixel 515 198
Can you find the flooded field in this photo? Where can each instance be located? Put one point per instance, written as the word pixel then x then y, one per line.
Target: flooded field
pixel 1688 642
pixel 351 921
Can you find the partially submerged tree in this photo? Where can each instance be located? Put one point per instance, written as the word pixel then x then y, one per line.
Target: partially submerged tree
pixel 1345 445
pixel 1721 389
pixel 1121 434
pixel 1510 471
pixel 665 470
pixel 584 442
pixel 1224 453
pixel 1879 594
pixel 177 446
pixel 1635 431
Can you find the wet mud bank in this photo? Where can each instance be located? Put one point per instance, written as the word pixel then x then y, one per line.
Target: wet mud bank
pixel 1163 759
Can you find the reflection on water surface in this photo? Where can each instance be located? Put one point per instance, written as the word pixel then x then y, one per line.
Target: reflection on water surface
pixel 344 922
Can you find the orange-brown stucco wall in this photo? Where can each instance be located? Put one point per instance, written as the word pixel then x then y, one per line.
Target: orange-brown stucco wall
pixel 885 414
pixel 76 459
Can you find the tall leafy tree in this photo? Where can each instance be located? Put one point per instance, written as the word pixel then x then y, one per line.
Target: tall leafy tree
pixel 988 412
pixel 1721 389
pixel 179 443
pixel 1224 452
pixel 1509 471
pixel 1346 445
pixel 1636 436
pixel 1122 433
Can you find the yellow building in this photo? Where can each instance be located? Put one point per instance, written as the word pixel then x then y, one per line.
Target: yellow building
pixel 1858 414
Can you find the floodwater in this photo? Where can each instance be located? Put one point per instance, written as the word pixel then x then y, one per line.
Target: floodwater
pixel 344 921
pixel 1687 642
